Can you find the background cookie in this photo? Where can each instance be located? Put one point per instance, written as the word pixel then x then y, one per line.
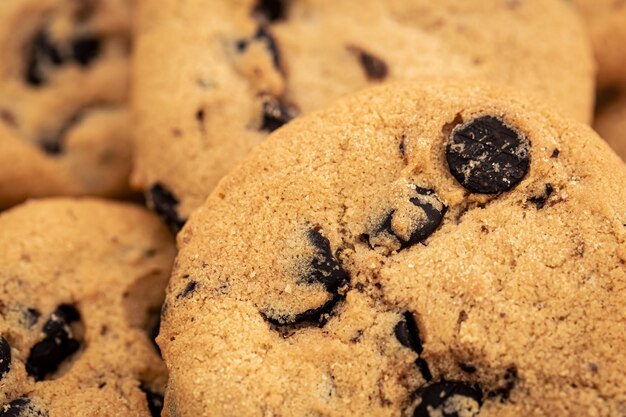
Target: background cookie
pixel 80 285
pixel 611 125
pixel 412 248
pixel 605 20
pixel 63 83
pixel 238 70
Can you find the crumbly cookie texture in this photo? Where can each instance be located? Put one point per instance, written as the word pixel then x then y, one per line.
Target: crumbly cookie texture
pixel 64 121
pixel 421 249
pixel 81 285
pixel 237 70
pixel 605 20
pixel 611 125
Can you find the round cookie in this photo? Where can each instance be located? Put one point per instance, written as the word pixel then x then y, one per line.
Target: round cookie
pixel 605 20
pixel 413 250
pixel 64 119
pixel 238 70
pixel 80 286
pixel 611 125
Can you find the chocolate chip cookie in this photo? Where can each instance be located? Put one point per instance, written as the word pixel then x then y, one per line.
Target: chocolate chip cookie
pixel 605 20
pixel 611 124
pixel 81 284
pixel 212 82
pixel 64 122
pixel 423 249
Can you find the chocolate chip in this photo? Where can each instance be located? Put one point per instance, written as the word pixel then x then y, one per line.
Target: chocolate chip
pixel 191 287
pixel 325 268
pixel 53 144
pixel 318 315
pixel 5 357
pixel 155 401
pixel 407 333
pixel 270 10
pixel 374 67
pixel 85 50
pixel 264 34
pixel 540 200
pixel 40 53
pixel 506 385
pixel 164 203
pixel 486 156
pixel 30 316
pixel 448 399
pixel 59 343
pixel 276 113
pixel 21 407
pixel 414 228
pixel 555 153
pixel 469 368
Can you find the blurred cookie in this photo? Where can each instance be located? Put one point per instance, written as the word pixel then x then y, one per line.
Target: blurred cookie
pixel 212 82
pixel 80 286
pixel 64 122
pixel 606 20
pixel 611 125
pixel 413 250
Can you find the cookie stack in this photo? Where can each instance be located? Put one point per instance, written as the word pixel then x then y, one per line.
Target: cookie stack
pixel 393 209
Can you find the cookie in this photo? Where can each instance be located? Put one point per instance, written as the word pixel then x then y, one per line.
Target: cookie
pixel 64 120
pixel 605 20
pixel 611 125
pixel 238 70
pixel 81 285
pixel 421 249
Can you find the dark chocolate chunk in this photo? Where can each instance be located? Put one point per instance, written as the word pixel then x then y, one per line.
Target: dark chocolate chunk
pixel 318 315
pixel 85 50
pixel 21 407
pixel 40 54
pixel 407 333
pixel 191 287
pixel 433 213
pixel 155 401
pixel 374 67
pixel 449 398
pixel 270 10
pixel 325 268
pixel 5 357
pixel 264 34
pixel 468 367
pixel 164 203
pixel 486 156
pixel 30 317
pixel 276 113
pixel 54 144
pixel 555 153
pixel 58 344
pixel 540 200
pixel 507 384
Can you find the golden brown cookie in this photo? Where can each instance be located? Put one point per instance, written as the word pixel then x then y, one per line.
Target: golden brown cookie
pixel 607 28
pixel 611 125
pixel 80 284
pixel 64 122
pixel 212 82
pixel 422 249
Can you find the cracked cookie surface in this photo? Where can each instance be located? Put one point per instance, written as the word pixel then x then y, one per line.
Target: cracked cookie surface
pixel 238 70
pixel 80 284
pixel 343 270
pixel 64 122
